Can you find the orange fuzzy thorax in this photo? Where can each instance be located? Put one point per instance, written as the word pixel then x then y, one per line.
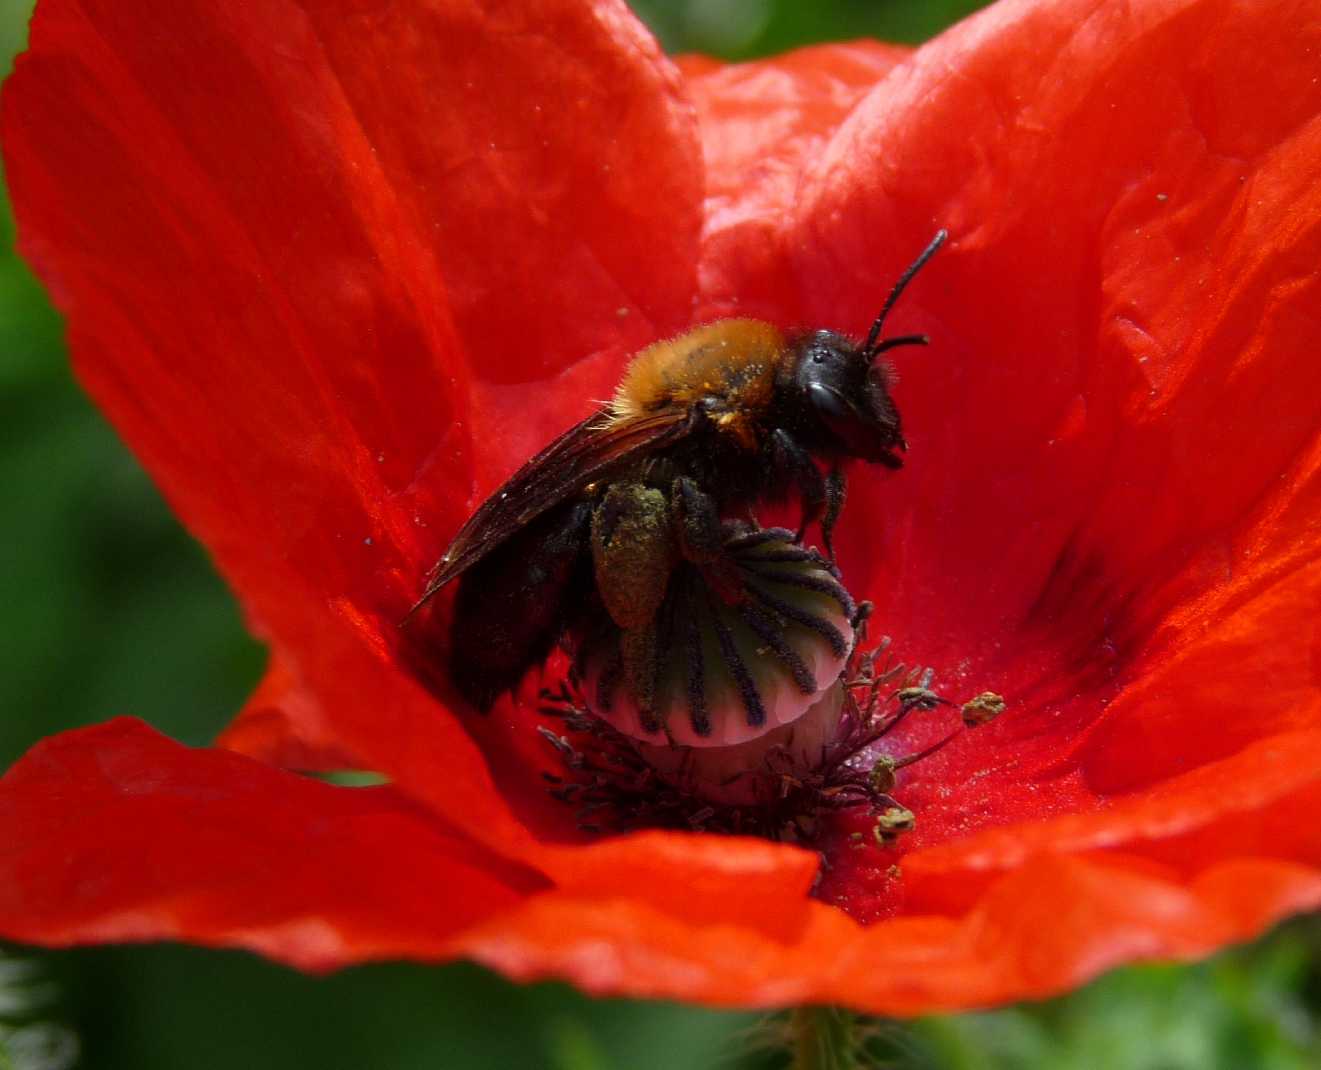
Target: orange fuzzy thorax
pixel 733 361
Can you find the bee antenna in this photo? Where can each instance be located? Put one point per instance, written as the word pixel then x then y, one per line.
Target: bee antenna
pixel 870 348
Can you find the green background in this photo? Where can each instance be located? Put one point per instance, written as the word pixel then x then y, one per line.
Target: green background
pixel 108 607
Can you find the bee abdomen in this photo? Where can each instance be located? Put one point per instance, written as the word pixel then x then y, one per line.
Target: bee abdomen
pixel 514 604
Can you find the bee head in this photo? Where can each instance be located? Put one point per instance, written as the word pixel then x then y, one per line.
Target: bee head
pixel 841 390
pixel 843 399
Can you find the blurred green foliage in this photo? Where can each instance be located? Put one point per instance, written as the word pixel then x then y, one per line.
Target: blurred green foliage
pixel 109 607
pixel 740 29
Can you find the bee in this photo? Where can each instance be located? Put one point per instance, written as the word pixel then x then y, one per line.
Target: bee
pixel 702 428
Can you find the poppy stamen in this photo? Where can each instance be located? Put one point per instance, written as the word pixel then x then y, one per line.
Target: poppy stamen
pixel 619 786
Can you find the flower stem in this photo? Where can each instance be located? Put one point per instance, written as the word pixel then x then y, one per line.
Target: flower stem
pixel 824 1038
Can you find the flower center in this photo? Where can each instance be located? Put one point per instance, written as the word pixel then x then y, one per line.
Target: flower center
pixel 740 651
pixel 769 709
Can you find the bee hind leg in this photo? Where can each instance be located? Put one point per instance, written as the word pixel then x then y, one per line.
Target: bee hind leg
pixel 700 539
pixel 633 554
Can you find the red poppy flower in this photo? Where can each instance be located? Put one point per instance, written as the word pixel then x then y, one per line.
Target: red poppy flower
pixel 335 268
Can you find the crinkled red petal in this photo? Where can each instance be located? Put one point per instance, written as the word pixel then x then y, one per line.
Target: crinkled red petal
pixel 277 247
pixel 114 833
pixel 1108 513
pixel 283 724
pixel 762 124
pixel 1051 924
pixel 117 833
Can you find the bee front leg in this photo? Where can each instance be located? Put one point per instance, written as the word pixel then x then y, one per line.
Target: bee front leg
pixel 633 553
pixel 836 492
pixel 813 487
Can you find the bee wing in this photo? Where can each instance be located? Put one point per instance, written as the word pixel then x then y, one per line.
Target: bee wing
pixel 562 469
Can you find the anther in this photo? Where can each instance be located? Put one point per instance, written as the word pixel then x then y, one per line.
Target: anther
pixel 983 709
pixel 891 823
pixel 882 776
pixel 920 697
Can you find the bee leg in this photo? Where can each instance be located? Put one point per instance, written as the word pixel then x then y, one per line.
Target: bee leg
pixel 700 540
pixel 639 652
pixel 633 553
pixel 696 522
pixel 813 489
pixel 836 492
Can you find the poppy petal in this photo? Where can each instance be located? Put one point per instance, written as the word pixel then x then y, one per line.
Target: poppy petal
pixel 1103 526
pixel 547 154
pixel 1052 923
pixel 157 160
pixel 1024 773
pixel 116 833
pixel 761 124
pixel 283 723
pixel 1171 757
pixel 1124 299
pixel 1178 828
pixel 270 294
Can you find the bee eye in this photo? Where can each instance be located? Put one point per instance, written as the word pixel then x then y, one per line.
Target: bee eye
pixel 817 358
